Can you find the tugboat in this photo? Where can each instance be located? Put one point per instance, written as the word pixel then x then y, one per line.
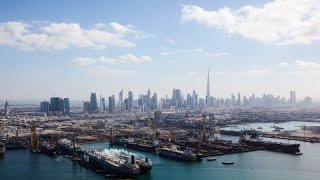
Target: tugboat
pixel 174 153
pixel 2 149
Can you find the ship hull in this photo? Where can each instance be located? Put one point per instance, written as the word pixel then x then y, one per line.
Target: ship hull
pixel 175 156
pixel 99 163
pixel 140 147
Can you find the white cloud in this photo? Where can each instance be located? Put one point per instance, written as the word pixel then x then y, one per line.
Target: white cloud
pixel 283 65
pixel 124 59
pixel 166 52
pixel 57 36
pixel 307 65
pixel 279 21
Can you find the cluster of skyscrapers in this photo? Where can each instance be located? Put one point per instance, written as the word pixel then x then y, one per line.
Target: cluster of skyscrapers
pixel 148 102
pixel 56 106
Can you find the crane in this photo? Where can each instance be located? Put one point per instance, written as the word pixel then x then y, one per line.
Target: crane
pixel 34 140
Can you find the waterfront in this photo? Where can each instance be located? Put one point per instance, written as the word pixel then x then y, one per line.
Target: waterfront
pixel 268 127
pixel 21 164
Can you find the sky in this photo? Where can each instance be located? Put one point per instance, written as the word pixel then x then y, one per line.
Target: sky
pixel 75 47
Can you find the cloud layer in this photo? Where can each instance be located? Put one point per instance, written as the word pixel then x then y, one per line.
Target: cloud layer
pixel 279 21
pixel 124 59
pixel 58 36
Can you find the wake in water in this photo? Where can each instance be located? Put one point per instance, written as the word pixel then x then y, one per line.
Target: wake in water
pixel 121 152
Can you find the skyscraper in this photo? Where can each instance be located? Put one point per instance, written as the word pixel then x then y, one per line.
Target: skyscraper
pixel 103 104
pixel 44 107
pixel 121 106
pixel 110 105
pixel 93 103
pixel 154 101
pixel 66 105
pixel 176 98
pixel 6 108
pixel 86 106
pixel 130 100
pixel 208 91
pixel 54 104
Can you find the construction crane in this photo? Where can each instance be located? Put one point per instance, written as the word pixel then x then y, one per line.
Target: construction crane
pixel 34 140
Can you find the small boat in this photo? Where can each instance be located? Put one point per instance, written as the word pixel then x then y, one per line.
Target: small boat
pixel 211 159
pixel 298 153
pixel 227 162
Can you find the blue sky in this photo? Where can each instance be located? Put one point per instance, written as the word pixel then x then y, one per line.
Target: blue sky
pixel 71 48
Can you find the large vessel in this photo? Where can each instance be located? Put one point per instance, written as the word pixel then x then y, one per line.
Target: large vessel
pixel 273 146
pixel 114 163
pixel 140 145
pixel 2 149
pixel 174 153
pixel 67 147
pixel 137 144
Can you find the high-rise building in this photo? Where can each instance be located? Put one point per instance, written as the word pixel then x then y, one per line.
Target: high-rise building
pixel 176 98
pixel 86 106
pixel 130 100
pixel 103 104
pixel 54 104
pixel 148 102
pixel 100 103
pixel 154 101
pixel 208 91
pixel 121 105
pixel 93 103
pixel 110 105
pixel 66 105
pixel 239 100
pixel 6 109
pixel 126 104
pixel 44 107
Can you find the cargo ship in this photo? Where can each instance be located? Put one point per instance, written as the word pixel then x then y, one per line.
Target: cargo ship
pixel 113 163
pixel 137 144
pixel 2 149
pixel 273 146
pixel 237 133
pixel 174 153
pixel 66 147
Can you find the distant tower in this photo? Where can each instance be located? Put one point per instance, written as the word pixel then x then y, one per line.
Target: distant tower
pixel 121 101
pixel 93 103
pixel 208 91
pixel 6 109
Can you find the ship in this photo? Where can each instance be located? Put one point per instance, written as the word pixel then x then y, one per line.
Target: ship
pixel 174 153
pixel 113 163
pixel 2 149
pixel 48 148
pixel 69 148
pixel 237 133
pixel 137 144
pixel 145 165
pixel 140 145
pixel 273 146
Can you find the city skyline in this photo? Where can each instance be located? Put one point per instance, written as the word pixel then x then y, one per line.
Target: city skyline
pixel 48 50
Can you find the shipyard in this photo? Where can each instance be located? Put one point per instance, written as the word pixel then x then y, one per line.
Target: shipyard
pixel 182 136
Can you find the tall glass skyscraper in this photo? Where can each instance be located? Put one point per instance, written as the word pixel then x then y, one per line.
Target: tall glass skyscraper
pixel 93 103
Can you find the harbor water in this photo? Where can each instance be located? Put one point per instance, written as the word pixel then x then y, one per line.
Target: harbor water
pixel 262 165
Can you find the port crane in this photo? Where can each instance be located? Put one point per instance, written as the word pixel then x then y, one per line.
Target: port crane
pixel 34 140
